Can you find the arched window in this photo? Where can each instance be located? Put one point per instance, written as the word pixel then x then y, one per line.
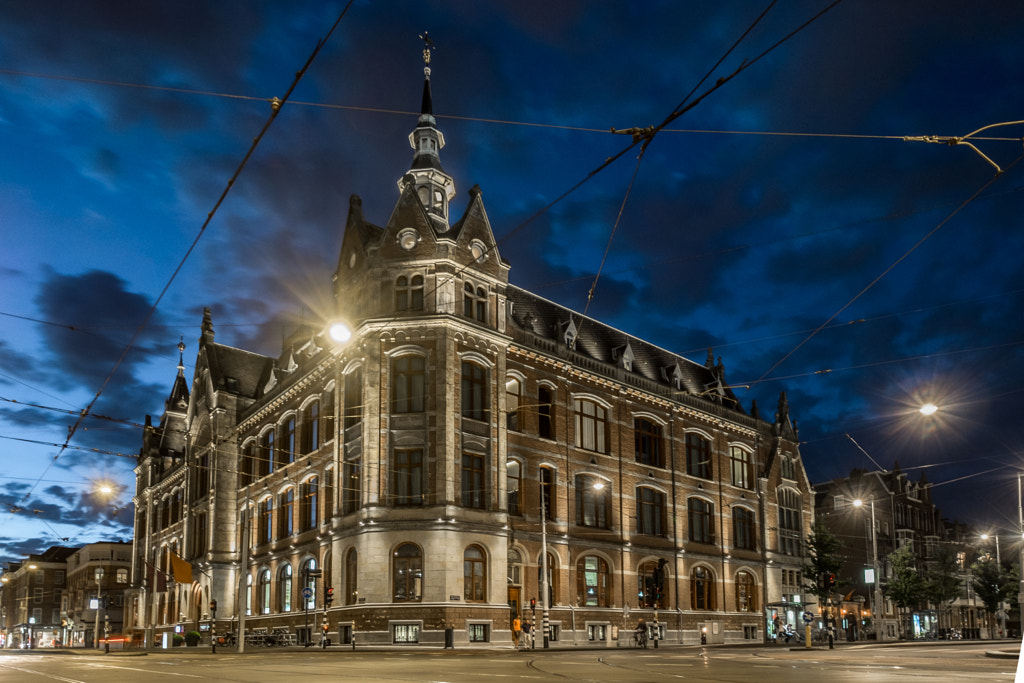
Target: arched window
pixel 475 300
pixel 408 386
pixel 409 293
pixel 351 577
pixel 264 591
pixel 474 487
pixel 647 438
pixel 284 588
pixel 552 578
pixel 744 531
pixel 545 413
pixel 266 456
pixel 701 520
pixel 287 451
pixel 741 466
pixel 702 589
pixel 592 582
pixel 593 502
pixel 474 391
pixel 474 575
pixel 515 568
pixel 650 513
pixel 407 570
pixel 308 504
pixel 591 426
pixel 790 522
pixel 402 293
pixel 547 490
pixel 513 397
pixel 746 592
pixel 513 482
pixel 248 469
pixel 311 427
pixel 263 523
pixel 353 398
pixel 698 456
pixel 286 513
pixel 652 586
pixel 310 583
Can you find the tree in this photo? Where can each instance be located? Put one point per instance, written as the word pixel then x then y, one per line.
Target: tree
pixel 823 549
pixel 942 580
pixel 992 583
pixel 907 588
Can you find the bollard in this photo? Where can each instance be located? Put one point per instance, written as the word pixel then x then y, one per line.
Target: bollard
pixel 353 640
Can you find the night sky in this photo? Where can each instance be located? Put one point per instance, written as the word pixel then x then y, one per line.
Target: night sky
pixel 784 220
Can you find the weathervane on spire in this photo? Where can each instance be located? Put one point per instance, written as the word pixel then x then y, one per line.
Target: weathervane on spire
pixel 428 45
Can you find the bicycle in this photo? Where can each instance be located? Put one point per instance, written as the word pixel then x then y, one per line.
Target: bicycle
pixel 639 639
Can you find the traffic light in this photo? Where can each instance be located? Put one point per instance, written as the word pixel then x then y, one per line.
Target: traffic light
pixel 830 581
pixel 213 605
pixel 533 603
pixel 329 598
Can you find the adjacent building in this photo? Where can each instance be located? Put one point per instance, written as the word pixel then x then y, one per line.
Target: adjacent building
pixel 31 593
pixel 421 477
pixel 904 515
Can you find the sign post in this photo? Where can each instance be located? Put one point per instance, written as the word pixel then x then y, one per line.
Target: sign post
pixel 808 618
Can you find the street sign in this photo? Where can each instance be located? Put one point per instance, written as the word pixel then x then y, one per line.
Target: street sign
pixel 307 592
pixel 808 617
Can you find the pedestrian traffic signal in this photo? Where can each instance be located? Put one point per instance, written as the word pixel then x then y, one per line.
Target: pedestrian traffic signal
pixel 533 603
pixel 329 597
pixel 213 605
pixel 830 581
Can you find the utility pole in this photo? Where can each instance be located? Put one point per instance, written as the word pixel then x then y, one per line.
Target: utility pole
pixel 243 574
pixel 1020 545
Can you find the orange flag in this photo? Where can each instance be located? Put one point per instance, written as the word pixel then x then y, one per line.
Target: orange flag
pixel 181 569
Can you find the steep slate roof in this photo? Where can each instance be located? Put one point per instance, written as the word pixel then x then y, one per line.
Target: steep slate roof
pixel 244 367
pixel 548 320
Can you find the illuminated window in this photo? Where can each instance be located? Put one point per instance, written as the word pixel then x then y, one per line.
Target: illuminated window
pixel 702 589
pixel 746 592
pixel 591 426
pixel 474 575
pixel 407 570
pixel 592 582
pixel 741 467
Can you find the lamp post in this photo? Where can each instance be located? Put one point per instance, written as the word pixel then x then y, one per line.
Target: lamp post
pixel 1020 550
pixel 99 603
pixel 877 606
pixel 543 563
pixel 985 537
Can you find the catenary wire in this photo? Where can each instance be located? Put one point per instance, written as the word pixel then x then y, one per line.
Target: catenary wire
pixel 275 108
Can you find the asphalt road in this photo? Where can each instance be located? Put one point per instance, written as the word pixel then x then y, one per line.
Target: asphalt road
pixel 917 663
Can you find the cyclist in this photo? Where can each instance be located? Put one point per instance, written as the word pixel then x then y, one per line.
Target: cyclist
pixel 641 634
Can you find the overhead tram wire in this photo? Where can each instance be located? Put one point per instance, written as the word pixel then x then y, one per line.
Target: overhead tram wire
pixel 275 108
pixel 885 272
pixel 643 137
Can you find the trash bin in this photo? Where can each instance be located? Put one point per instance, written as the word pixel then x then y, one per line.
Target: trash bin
pixel 449 638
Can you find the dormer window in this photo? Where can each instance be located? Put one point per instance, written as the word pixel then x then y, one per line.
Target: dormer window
pixel 570 334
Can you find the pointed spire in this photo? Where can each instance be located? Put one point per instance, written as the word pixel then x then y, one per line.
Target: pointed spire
pixel 181 356
pixel 426 177
pixel 207 336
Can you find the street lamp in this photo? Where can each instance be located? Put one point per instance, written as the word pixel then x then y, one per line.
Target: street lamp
pixel 99 603
pixel 877 607
pixel 985 537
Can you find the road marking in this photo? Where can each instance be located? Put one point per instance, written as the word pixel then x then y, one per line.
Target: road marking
pixel 40 673
pixel 145 671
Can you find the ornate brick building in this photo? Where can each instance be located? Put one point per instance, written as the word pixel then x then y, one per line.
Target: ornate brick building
pixel 405 469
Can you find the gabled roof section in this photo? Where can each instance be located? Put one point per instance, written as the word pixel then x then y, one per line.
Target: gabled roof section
pixel 545 324
pixel 236 371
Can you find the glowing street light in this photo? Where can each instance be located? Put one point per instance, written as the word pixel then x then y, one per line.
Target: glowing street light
pixel 339 332
pixel 928 409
